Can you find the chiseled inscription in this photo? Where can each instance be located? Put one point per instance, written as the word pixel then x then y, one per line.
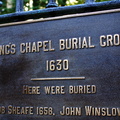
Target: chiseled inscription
pixel 31 47
pixel 20 110
pixel 110 40
pixel 102 111
pixel 52 65
pixel 8 49
pixel 63 111
pixel 60 90
pixel 63 44
pixel 69 111
pixel 76 43
pixel 82 89
pixel 90 111
pixel 31 89
pixel 45 111
pixel 54 89
pixel 58 65
pixel 2 109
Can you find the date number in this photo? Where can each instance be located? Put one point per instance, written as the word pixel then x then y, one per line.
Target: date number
pixel 45 111
pixel 53 65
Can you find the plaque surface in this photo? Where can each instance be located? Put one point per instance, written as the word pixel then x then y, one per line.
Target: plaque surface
pixel 65 68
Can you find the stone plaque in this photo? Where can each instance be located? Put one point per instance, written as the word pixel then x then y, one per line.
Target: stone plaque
pixel 62 68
